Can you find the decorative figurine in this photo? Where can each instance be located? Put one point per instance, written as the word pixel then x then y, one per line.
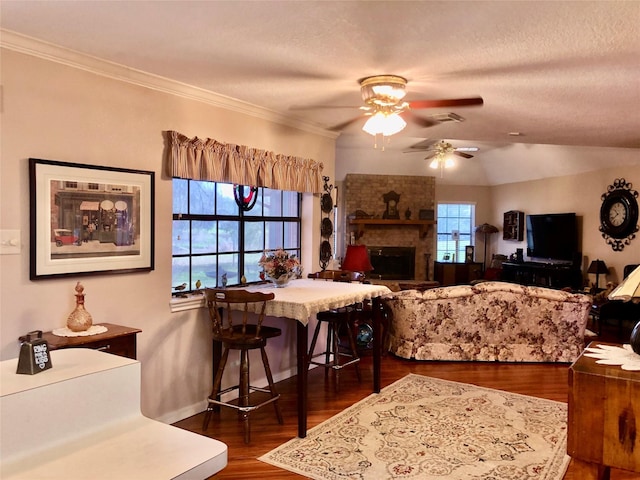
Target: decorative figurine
pixel 224 280
pixel 179 289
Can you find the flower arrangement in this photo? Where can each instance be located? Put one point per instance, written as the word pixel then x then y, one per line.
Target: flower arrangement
pixel 278 263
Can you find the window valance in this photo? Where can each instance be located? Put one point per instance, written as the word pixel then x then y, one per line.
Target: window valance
pixel 198 159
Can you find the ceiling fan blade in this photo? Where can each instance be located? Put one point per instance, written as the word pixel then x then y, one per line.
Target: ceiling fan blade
pixel 322 107
pixel 453 102
pixel 462 154
pixel 418 120
pixel 424 145
pixel 341 126
pixel 418 150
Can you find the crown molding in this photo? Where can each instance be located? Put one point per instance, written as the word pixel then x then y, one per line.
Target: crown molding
pixel 54 53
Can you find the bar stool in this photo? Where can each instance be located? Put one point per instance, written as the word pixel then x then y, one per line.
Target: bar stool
pixel 242 336
pixel 338 320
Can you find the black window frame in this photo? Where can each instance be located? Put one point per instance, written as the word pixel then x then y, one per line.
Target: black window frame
pixel 243 218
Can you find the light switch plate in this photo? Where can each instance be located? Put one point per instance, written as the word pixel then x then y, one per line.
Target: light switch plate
pixel 10 242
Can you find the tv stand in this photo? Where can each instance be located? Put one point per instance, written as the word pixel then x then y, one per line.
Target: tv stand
pixel 551 275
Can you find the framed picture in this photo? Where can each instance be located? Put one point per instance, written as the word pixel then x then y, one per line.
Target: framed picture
pixel 468 253
pixel 87 219
pixel 426 214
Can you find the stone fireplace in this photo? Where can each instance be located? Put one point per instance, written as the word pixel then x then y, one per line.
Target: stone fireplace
pixel 401 248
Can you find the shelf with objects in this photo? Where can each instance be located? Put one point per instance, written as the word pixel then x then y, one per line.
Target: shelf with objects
pixel 513 225
pixel 361 224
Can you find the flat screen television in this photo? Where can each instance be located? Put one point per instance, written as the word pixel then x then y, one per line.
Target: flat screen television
pixel 552 236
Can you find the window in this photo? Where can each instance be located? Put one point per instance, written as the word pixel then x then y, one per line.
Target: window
pixel 212 236
pixel 452 218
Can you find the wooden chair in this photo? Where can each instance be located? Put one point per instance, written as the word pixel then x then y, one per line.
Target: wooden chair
pixel 242 336
pixel 338 320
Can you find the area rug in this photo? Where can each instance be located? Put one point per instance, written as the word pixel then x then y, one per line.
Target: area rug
pixel 425 428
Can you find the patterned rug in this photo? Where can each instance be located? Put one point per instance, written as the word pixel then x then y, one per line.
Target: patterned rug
pixel 425 428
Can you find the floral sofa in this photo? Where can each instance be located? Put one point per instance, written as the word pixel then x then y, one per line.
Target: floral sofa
pixel 489 321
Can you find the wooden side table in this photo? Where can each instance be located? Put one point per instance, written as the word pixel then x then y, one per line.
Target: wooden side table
pixel 118 340
pixel 604 418
pixel 447 273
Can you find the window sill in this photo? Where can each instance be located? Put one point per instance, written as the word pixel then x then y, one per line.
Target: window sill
pixel 191 302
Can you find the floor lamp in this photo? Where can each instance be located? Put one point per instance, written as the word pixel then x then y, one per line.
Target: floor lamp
pixel 629 291
pixel 487 230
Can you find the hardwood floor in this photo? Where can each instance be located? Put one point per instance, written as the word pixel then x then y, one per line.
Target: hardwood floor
pixel 539 380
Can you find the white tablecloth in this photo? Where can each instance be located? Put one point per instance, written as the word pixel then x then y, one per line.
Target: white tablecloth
pixel 302 298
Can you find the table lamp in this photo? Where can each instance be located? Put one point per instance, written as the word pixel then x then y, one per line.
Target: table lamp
pixel 356 259
pixel 598 267
pixel 629 290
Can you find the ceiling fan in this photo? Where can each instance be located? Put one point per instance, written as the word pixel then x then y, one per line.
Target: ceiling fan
pixel 441 149
pixel 442 153
pixel 383 96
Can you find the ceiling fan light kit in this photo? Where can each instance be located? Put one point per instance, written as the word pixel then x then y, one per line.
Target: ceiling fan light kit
pixel 442 162
pixel 385 124
pixel 443 157
pixel 383 90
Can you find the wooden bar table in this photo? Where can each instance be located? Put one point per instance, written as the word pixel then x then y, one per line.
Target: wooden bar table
pixel 304 298
pixel 604 418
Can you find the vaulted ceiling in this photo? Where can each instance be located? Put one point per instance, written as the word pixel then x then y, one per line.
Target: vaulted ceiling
pixel 563 75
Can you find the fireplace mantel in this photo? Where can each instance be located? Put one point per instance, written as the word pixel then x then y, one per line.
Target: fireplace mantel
pixel 362 223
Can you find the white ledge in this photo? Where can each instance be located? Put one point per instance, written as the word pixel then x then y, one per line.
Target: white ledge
pixel 181 304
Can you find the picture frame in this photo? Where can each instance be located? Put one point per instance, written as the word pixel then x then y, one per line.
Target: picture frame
pixel 424 214
pixel 89 219
pixel 469 253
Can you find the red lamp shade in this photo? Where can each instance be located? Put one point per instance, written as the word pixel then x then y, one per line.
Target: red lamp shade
pixel 356 259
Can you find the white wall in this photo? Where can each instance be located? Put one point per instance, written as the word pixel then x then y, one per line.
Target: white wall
pixel 577 193
pixel 580 194
pixel 57 112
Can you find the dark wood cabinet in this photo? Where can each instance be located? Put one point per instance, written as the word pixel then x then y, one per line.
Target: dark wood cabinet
pixel 456 273
pixel 542 274
pixel 118 340
pixel 513 225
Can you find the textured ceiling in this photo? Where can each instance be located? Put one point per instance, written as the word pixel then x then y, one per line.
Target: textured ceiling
pixel 560 73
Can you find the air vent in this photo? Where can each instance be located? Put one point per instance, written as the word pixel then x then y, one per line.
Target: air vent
pixel 448 117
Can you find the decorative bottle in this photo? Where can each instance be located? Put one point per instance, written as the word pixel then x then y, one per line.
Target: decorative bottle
pixel 79 320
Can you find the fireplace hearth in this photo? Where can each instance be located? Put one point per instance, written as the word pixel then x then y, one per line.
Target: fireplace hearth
pixel 393 263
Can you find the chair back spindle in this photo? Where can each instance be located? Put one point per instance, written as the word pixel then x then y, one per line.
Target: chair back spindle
pixel 218 299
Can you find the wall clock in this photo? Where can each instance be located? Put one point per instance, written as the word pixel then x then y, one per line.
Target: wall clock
pixel 619 214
